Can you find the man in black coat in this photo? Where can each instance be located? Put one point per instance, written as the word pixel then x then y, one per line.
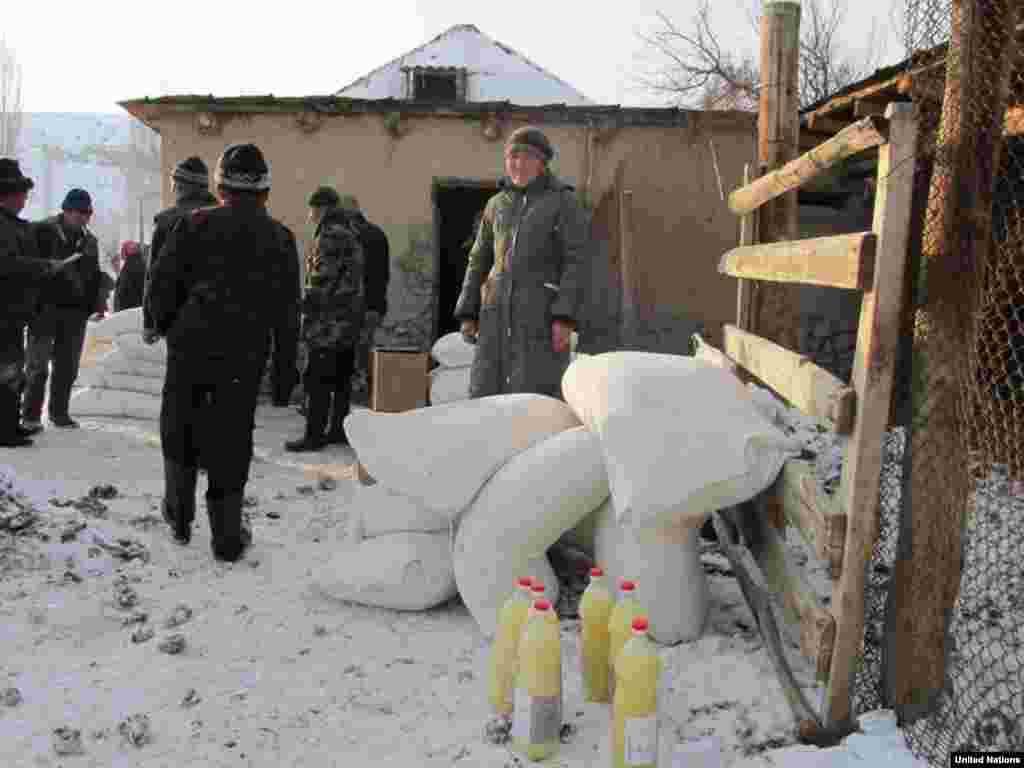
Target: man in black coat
pixel 57 332
pixel 22 274
pixel 191 185
pixel 225 276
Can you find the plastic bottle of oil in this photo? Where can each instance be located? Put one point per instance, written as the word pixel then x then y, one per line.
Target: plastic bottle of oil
pixel 537 714
pixel 626 609
pixel 539 592
pixel 595 613
pixel 505 651
pixel 634 736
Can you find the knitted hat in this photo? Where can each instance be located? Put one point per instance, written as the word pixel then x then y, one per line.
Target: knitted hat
pixel 532 140
pixel 77 200
pixel 323 197
pixel 242 168
pixel 192 171
pixel 11 177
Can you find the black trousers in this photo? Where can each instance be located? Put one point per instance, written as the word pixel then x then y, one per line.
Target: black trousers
pixel 284 373
pixel 207 417
pixel 329 372
pixel 55 336
pixel 12 372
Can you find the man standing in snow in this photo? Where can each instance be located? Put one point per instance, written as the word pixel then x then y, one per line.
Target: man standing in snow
pixel 21 276
pixel 57 333
pixel 225 276
pixel 520 293
pixel 191 186
pixel 332 317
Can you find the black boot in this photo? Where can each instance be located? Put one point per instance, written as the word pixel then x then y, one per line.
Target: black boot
pixel 179 504
pixel 10 433
pixel 231 536
pixel 336 434
pixel 316 422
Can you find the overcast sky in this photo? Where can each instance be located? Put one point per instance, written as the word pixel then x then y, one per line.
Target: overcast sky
pixel 85 57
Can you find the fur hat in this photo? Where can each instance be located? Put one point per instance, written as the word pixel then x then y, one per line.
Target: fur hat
pixel 242 168
pixel 531 139
pixel 11 177
pixel 323 197
pixel 77 200
pixel 192 171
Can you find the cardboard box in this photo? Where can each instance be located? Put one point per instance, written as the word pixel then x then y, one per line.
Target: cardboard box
pixel 400 381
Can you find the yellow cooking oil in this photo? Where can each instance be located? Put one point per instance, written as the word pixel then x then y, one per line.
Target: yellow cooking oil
pixel 505 650
pixel 537 712
pixel 634 736
pixel 627 608
pixel 595 613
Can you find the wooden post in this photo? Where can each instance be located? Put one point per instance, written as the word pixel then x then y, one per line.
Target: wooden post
pixel 778 129
pixel 745 288
pixel 926 578
pixel 630 309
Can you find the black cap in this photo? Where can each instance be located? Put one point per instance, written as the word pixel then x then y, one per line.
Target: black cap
pixel 192 171
pixel 242 168
pixel 11 177
pixel 77 200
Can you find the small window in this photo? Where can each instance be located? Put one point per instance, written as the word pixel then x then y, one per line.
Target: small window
pixel 435 86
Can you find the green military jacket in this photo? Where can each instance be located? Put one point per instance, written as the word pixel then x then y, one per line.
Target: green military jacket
pixel 334 302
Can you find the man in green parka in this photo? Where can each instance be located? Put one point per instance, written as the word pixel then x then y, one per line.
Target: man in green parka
pixel 519 299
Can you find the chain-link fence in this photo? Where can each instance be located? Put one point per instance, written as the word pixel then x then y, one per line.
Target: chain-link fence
pixel 963 478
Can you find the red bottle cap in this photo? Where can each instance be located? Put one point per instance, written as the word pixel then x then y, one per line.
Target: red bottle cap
pixel 595 571
pixel 542 605
pixel 640 624
pixel 627 585
pixel 538 587
pixel 524 581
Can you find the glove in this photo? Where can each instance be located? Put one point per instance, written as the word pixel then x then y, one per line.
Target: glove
pixel 470 329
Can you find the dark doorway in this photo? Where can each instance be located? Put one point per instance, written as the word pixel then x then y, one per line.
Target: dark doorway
pixel 457 203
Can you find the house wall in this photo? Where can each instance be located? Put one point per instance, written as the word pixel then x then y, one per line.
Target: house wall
pixel 682 224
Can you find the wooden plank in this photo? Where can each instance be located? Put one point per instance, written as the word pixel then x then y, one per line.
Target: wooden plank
pixel 803 609
pixel 869 107
pixel 809 387
pixel 825 124
pixel 838 261
pixel 709 354
pixel 864 134
pixel 819 518
pixel 744 289
pixel 874 363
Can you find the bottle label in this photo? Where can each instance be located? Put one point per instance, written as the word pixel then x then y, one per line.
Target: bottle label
pixel 536 719
pixel 640 738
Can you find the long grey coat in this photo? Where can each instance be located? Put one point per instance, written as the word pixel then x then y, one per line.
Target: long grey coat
pixel 523 272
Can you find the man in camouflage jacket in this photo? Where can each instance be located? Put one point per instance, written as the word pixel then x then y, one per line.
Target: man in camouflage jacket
pixel 519 296
pixel 332 317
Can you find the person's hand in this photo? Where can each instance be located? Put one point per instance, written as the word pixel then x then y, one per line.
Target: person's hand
pixel 470 329
pixel 561 332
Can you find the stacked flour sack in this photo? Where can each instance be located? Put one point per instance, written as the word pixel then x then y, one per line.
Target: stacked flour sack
pixel 450 380
pixel 121 375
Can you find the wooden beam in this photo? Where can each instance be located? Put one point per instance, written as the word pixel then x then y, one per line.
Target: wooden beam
pixel 826 124
pixel 864 134
pixel 839 261
pixel 709 354
pixel 811 622
pixel 874 364
pixel 869 108
pixel 880 91
pixel 819 518
pixel 744 288
pixel 796 378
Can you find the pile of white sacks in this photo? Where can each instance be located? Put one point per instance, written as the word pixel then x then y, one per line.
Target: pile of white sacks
pixel 471 494
pixel 121 375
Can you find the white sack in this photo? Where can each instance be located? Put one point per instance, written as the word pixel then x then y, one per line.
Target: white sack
pixel 118 323
pixel 109 402
pixel 452 351
pixel 118 362
pixel 448 385
pixel 442 455
pixel 681 438
pixel 101 379
pixel 136 349
pixel 665 563
pixel 377 511
pixel 404 571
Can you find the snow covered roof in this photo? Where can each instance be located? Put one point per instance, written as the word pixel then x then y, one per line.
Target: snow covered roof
pixel 494 72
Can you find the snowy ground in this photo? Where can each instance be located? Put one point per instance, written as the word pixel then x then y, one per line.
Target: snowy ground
pixel 271 672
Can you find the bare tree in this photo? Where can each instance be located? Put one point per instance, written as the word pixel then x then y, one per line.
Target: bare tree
pixel 693 68
pixel 10 100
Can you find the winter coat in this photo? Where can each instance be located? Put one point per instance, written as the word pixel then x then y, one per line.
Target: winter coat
pixel 334 302
pixel 22 272
pixel 78 285
pixel 378 264
pixel 162 224
pixel 131 281
pixel 224 278
pixel 523 273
